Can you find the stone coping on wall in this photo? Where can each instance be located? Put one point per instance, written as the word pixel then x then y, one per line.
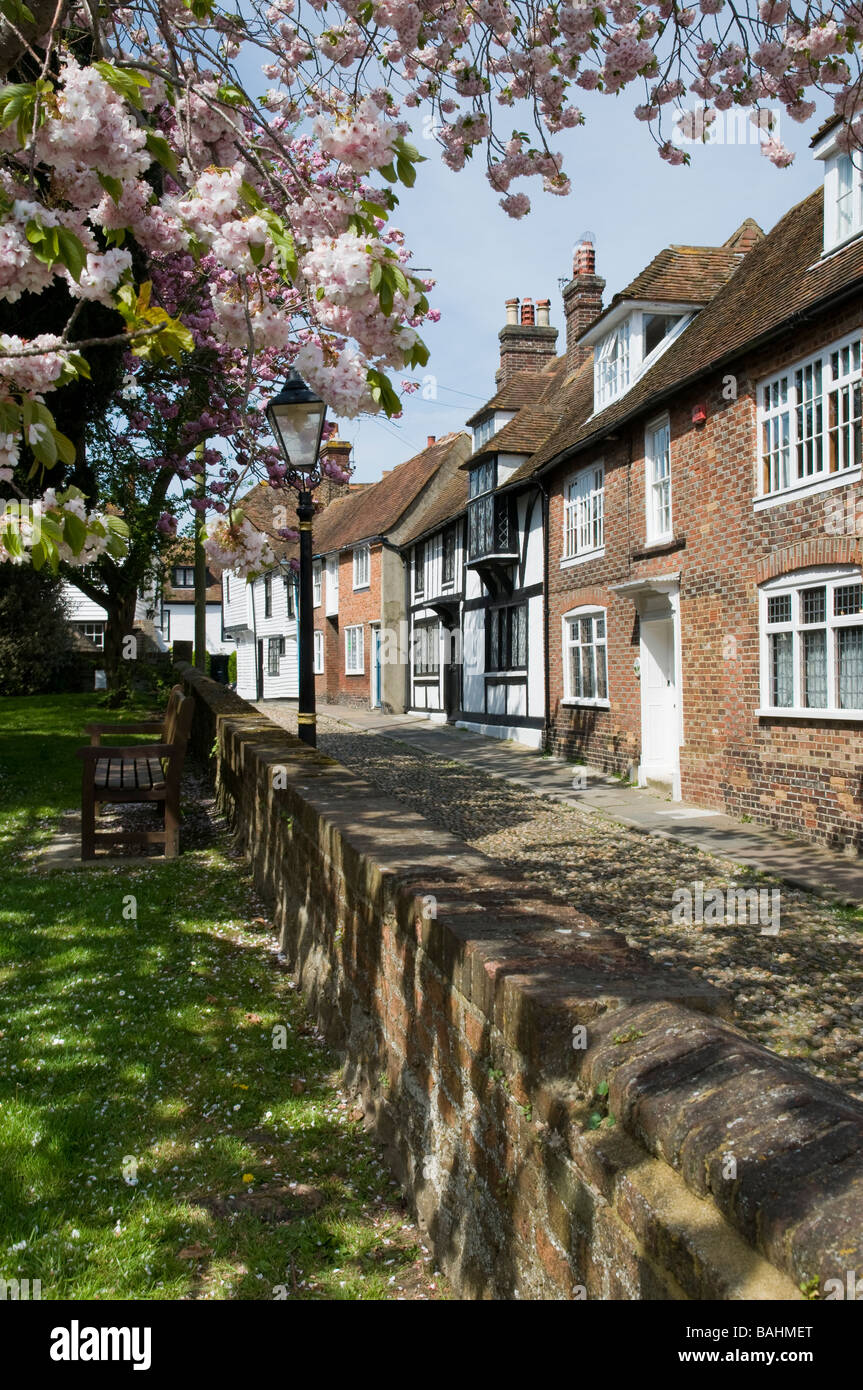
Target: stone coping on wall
pixel 729 1172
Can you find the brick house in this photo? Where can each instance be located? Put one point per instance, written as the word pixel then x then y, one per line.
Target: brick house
pixel 705 597
pixel 360 599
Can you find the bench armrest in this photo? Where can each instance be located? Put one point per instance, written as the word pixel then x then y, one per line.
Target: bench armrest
pixel 134 750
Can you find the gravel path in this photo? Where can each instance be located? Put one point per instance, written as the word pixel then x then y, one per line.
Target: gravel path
pixel 799 992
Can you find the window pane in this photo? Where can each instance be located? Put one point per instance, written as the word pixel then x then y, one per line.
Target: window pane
pixel 848 600
pixel 575 672
pixel 601 672
pixel 779 609
pixel 849 656
pixel 813 605
pixel 781 670
pixel 815 669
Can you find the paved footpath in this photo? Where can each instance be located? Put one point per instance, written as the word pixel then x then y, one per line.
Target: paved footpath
pixel 619 853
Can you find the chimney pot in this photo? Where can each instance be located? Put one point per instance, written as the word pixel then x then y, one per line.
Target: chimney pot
pixel 582 301
pixel 512 311
pixel 584 259
pixel 431 440
pixel 527 316
pixel 543 309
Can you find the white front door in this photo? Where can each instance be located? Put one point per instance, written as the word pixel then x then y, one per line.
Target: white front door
pixel 375 689
pixel 660 721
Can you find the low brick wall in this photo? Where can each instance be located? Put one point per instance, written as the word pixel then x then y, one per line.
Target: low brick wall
pixel 456 993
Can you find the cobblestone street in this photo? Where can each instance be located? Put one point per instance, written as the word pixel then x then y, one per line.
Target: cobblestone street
pixel 799 992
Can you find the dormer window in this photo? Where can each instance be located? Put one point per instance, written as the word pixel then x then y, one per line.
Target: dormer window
pixel 656 327
pixel 631 346
pixel 484 431
pixel 843 200
pixel 613 365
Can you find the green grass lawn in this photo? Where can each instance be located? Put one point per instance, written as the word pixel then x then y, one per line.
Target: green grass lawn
pixel 154 1143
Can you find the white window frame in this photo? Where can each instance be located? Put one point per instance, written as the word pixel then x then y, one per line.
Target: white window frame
pixel 318 654
pixel 574 616
pixel 355 659
pixel 584 515
pixel 362 566
pixel 838 231
pixel 613 364
pixel 831 578
pixel 657 490
pixel 619 358
pixel 317 584
pixel 483 432
pixel 782 446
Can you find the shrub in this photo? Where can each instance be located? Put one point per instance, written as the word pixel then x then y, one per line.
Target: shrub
pixel 36 650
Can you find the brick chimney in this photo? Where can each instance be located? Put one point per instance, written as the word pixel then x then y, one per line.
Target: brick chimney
pixel 527 340
pixel 337 451
pixel 582 301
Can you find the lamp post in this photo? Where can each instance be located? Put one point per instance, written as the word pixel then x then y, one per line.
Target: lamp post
pixel 296 418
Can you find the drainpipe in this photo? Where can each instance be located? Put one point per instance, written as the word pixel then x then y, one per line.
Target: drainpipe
pixel 543 492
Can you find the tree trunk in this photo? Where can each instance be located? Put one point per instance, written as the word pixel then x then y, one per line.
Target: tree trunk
pixel 121 618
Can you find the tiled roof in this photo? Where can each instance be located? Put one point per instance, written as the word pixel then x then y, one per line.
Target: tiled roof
pixel 682 274
pixel 781 278
pixel 449 502
pixel 520 390
pixel 182 552
pixel 376 510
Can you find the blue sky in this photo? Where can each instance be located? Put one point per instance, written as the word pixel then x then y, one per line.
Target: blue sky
pixel 632 202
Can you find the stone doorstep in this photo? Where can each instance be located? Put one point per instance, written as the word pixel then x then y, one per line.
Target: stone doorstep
pixel 64 852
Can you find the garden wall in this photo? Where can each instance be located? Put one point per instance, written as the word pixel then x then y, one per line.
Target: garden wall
pixel 481 1021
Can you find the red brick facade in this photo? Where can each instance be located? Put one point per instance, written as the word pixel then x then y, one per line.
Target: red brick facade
pixel 357 607
pixel 794 774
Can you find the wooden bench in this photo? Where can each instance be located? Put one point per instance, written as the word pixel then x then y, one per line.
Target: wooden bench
pixel 136 772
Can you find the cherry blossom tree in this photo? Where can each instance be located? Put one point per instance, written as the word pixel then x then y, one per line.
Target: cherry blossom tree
pixel 139 171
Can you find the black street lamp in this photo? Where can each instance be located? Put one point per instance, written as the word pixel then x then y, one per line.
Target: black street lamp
pixel 296 418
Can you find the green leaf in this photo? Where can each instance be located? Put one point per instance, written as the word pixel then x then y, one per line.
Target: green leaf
pixel 74 532
pixel 115 236
pixel 250 196
pixel 124 81
pixel 71 252
pixel 388 172
pixel 257 251
pixel 602 1088
pixel 111 186
pixel 161 151
pixel 231 95
pixel 375 277
pixel 17 11
pixel 18 102
pixel 64 446
pixel 386 289
pixel 595 1120
pixel 382 392
pixel 406 171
